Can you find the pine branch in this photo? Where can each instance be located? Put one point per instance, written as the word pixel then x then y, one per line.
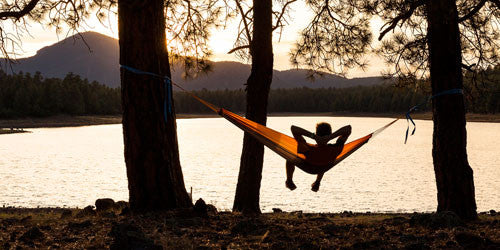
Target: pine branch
pixel 238 48
pixel 468 67
pixel 19 14
pixel 244 19
pixel 496 2
pixel 401 17
pixel 473 11
pixel 278 21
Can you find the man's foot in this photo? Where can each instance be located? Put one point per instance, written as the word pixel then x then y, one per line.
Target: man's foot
pixel 315 186
pixel 290 185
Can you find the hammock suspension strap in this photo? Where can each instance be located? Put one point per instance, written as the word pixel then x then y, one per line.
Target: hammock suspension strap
pixel 167 82
pixel 416 107
pixel 168 90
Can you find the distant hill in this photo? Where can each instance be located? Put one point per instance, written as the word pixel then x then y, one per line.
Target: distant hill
pixel 99 61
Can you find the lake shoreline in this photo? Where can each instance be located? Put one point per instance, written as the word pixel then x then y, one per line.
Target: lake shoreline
pixel 204 227
pixel 75 121
pixel 12 131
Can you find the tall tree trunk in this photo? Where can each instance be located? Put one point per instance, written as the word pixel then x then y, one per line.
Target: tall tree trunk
pixel 258 84
pixel 454 177
pixel 154 173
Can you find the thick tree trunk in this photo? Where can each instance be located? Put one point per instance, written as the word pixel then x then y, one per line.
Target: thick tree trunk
pixel 151 154
pixel 258 84
pixel 454 177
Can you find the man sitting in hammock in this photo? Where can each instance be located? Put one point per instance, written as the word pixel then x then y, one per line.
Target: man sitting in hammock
pixel 318 152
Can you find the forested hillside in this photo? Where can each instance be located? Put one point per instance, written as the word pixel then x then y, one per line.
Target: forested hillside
pixel 376 99
pixel 483 91
pixel 26 95
pixel 369 99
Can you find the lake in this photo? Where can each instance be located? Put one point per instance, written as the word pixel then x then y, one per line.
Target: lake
pixel 74 166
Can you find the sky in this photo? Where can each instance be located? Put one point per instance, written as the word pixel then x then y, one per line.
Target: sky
pixel 221 41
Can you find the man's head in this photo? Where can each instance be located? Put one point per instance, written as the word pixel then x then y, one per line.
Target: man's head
pixel 323 129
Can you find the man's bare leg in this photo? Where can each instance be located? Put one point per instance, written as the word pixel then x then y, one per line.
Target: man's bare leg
pixel 290 168
pixel 315 185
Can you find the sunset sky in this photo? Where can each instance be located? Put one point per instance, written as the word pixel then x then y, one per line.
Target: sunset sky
pixel 221 41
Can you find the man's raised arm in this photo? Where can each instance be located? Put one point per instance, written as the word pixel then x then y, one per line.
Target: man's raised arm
pixel 343 133
pixel 299 133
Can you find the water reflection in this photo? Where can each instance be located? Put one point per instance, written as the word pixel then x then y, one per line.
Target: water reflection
pixel 75 166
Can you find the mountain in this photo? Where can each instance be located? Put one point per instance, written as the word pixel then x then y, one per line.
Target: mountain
pixel 95 56
pixel 97 61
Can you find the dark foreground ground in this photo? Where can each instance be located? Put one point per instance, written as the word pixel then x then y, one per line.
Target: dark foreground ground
pixel 204 228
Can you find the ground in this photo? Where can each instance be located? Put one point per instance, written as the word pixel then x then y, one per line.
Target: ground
pixel 205 228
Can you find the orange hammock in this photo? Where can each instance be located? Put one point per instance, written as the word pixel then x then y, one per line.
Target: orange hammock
pixel 285 145
pixel 282 144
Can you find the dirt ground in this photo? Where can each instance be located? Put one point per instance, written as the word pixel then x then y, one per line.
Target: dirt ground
pixel 115 227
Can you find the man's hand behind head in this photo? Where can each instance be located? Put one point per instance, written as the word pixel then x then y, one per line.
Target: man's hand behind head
pixel 322 140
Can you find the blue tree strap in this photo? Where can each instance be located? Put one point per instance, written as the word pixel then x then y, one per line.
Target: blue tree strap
pixel 408 120
pixel 169 96
pixel 167 100
pixel 414 108
pixel 165 103
pixel 448 92
pixel 140 72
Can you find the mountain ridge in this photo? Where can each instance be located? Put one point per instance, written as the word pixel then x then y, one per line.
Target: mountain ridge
pixel 96 57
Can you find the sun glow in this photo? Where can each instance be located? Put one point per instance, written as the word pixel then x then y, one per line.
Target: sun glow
pixel 222 40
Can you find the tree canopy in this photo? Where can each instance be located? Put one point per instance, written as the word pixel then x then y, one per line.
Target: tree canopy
pixel 16 18
pixel 339 34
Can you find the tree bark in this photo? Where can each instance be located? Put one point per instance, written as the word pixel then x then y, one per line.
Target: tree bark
pixel 454 176
pixel 154 172
pixel 258 84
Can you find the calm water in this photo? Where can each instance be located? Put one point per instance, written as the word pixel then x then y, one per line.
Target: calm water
pixel 74 166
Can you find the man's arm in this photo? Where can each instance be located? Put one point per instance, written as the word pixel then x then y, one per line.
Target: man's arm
pixel 299 133
pixel 343 133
